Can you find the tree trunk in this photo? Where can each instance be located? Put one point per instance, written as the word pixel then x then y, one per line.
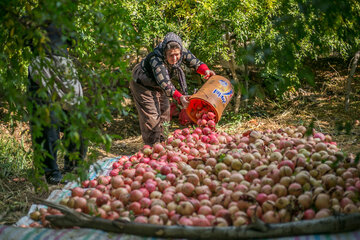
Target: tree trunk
pixel 232 65
pixel 137 55
pixel 246 77
pixel 349 79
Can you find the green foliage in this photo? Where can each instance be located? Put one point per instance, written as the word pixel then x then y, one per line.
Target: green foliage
pixel 303 30
pixel 15 160
pixel 357 158
pixel 344 126
pixel 101 36
pixel 166 127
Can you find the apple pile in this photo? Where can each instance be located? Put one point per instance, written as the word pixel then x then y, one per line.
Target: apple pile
pixel 202 110
pixel 203 177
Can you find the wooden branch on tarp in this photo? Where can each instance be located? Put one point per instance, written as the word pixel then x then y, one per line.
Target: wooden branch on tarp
pixel 334 224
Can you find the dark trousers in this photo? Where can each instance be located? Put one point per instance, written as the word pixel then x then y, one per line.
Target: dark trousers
pixel 47 145
pixel 46 135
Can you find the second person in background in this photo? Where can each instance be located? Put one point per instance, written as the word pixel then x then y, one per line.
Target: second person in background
pixel 151 86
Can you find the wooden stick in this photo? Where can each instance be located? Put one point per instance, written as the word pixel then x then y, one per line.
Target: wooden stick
pixel 259 229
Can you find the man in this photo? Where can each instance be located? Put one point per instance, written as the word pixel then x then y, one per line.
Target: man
pixel 151 86
pixel 53 82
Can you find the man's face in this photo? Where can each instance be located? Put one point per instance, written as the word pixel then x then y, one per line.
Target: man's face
pixel 173 56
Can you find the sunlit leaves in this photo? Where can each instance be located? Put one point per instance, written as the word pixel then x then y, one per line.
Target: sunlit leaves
pixel 273 37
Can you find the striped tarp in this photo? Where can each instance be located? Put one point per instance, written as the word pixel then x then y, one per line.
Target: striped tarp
pixel 17 233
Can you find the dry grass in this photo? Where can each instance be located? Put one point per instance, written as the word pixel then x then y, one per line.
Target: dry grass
pixel 322 106
pixel 16 198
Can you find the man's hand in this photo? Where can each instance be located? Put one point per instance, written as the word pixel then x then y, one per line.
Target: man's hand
pixel 184 99
pixel 208 74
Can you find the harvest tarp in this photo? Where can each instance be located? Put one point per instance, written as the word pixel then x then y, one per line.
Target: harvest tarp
pixel 16 233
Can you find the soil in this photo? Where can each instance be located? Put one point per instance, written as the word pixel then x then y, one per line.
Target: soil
pixel 320 106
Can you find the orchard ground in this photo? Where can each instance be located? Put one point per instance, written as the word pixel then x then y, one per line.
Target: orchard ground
pixel 320 106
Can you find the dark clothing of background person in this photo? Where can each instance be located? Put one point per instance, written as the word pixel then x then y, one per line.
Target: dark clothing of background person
pixel 151 87
pixel 51 79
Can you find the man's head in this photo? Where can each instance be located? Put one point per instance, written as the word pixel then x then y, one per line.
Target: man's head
pixel 172 52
